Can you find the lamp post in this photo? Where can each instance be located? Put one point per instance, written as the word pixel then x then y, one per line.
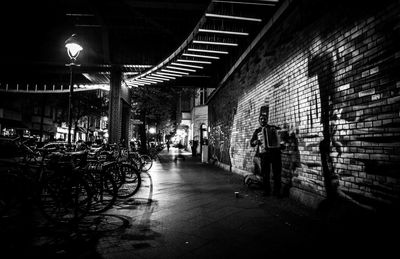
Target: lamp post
pixel 73 50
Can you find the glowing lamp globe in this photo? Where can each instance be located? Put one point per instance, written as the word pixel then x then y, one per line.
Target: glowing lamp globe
pixel 73 47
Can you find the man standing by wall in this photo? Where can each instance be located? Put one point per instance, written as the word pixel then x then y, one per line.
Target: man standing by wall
pixel 266 139
pixel 194 147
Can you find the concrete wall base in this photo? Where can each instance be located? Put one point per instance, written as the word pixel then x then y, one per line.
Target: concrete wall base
pixel 231 169
pixel 306 198
pixel 309 199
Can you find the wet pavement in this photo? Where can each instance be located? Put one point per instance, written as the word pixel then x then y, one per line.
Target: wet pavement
pixel 188 209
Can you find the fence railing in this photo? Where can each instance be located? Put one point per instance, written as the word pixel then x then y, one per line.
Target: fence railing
pixel 29 88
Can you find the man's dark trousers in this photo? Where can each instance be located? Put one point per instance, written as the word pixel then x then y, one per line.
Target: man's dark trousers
pixel 273 156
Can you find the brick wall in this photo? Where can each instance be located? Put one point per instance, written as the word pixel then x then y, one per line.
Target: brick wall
pixel 329 72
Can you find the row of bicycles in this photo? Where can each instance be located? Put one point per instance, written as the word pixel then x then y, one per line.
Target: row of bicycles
pixel 67 186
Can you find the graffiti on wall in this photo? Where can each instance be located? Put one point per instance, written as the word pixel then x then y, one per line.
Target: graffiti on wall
pixel 290 154
pixel 321 65
pixel 359 132
pixel 219 145
pixel 336 98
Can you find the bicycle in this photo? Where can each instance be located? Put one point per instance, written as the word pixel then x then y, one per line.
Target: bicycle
pixel 103 186
pixel 126 176
pixel 153 153
pixel 61 196
pixel 65 196
pixel 142 162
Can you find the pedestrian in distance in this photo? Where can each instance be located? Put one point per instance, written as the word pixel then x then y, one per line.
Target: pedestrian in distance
pixel 194 144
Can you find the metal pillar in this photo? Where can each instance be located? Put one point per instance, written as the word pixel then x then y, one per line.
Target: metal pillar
pixel 70 108
pixel 125 123
pixel 115 109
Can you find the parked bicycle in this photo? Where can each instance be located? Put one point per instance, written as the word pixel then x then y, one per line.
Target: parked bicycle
pixel 116 163
pixel 61 195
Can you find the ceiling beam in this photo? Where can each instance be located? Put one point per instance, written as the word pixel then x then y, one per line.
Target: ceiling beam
pixel 245 3
pixel 181 6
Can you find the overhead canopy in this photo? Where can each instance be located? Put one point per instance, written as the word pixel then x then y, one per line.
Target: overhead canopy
pixel 128 34
pixel 145 39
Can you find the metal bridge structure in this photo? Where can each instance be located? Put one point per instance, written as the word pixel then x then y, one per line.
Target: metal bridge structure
pixel 130 43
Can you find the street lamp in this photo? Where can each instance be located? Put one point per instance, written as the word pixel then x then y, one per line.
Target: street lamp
pixel 73 50
pixel 152 130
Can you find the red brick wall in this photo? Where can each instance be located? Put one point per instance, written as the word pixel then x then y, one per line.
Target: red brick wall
pixel 329 73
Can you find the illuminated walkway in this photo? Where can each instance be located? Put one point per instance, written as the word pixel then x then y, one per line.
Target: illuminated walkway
pixel 187 209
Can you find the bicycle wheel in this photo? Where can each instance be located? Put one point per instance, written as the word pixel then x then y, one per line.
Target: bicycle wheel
pixel 132 181
pixel 146 162
pixel 104 191
pixel 117 176
pixel 64 199
pixel 136 162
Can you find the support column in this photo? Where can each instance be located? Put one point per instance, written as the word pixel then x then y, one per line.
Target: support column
pixel 125 123
pixel 115 106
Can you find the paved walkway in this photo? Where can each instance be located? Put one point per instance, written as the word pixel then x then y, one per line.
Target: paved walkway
pixel 188 209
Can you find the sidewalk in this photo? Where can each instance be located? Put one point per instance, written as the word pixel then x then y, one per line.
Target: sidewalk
pixel 188 209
